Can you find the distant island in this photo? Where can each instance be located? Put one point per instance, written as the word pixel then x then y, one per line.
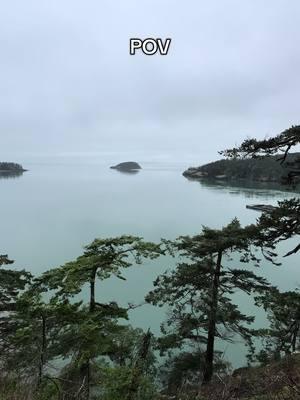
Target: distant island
pixel 10 170
pixel 265 169
pixel 11 167
pixel 127 166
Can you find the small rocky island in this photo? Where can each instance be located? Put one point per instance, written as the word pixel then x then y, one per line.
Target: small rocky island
pixel 128 166
pixel 10 170
pixel 265 169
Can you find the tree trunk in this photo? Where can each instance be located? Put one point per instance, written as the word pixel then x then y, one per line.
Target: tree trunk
pixel 43 350
pixel 92 290
pixel 209 357
pixel 86 368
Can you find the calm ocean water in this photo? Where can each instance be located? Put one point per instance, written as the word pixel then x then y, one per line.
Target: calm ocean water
pixel 50 212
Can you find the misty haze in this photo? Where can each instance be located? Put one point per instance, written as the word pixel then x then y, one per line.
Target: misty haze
pixel 117 168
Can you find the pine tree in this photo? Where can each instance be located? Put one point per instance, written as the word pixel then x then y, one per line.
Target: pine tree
pixel 283 310
pixel 280 144
pixel 12 283
pixel 199 291
pixel 92 334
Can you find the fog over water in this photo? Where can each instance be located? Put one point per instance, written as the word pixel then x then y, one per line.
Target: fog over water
pixel 69 85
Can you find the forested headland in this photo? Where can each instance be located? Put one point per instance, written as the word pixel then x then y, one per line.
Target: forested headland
pixel 56 343
pixel 266 168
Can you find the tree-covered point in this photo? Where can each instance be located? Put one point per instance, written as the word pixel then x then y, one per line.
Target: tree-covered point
pixel 264 169
pixel 11 167
pixel 279 145
pixel 283 222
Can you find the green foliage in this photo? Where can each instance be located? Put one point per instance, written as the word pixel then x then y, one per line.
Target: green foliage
pixel 39 333
pixel 198 292
pixel 283 334
pixel 282 223
pixel 77 332
pixel 101 259
pixel 282 142
pixel 116 381
pixel 11 282
pixel 181 371
pixel 45 320
pixel 265 169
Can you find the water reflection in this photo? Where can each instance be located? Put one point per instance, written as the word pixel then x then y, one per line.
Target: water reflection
pixel 128 172
pixel 10 174
pixel 251 189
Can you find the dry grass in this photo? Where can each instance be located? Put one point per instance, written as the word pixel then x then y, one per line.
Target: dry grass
pixel 277 381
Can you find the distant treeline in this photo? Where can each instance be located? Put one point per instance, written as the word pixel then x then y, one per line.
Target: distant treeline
pixel 264 169
pixel 10 166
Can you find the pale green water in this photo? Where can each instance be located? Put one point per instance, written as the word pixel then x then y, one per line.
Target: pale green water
pixel 59 205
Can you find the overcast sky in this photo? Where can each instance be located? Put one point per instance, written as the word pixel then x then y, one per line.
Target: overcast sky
pixel 69 85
